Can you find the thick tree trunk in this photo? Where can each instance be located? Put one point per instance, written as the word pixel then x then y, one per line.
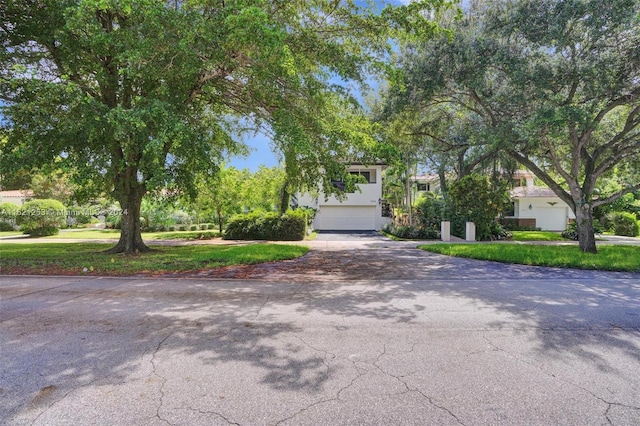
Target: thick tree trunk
pixel 586 232
pixel 130 234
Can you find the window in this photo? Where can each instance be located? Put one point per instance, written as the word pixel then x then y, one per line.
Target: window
pixel 365 174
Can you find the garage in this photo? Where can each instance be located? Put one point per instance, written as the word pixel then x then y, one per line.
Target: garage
pixel 346 218
pixel 551 218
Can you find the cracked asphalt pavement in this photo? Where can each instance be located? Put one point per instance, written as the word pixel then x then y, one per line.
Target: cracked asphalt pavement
pixel 443 341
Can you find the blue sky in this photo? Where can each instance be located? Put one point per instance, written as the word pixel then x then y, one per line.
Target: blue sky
pixel 261 150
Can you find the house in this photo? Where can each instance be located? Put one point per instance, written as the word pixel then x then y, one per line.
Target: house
pixel 17 197
pixel 423 184
pixel 360 211
pixel 537 206
pixel 533 206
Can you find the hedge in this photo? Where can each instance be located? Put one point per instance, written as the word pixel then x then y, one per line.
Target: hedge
pixel 624 223
pixel 41 217
pixel 291 226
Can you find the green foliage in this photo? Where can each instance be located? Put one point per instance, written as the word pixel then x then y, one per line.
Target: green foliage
pixel 429 211
pixel 290 226
pixel 41 217
pixel 624 223
pixel 571 233
pixel 553 84
pixel 523 235
pixel 474 199
pixel 609 258
pixel 411 232
pixel 136 96
pixel 8 214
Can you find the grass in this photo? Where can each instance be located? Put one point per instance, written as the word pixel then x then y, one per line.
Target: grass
pixel 89 258
pixel 536 236
pixel 10 233
pixel 609 258
pixel 100 234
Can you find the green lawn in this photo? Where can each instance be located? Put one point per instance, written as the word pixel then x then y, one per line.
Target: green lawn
pixel 89 258
pixel 98 234
pixel 609 258
pixel 536 236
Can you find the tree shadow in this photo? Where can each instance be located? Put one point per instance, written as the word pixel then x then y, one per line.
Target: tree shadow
pixel 114 329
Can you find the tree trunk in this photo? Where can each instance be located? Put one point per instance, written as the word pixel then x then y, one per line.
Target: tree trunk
pixel 220 219
pixel 285 197
pixel 586 232
pixel 130 234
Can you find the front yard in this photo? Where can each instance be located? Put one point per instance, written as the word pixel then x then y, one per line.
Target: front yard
pixel 89 258
pixel 609 257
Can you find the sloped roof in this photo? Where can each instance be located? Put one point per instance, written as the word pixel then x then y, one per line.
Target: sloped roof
pixel 17 193
pixel 533 191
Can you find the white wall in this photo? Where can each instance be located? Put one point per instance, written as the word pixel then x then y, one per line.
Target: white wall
pixel 548 217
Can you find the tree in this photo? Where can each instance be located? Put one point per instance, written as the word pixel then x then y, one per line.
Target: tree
pixel 553 83
pixel 139 95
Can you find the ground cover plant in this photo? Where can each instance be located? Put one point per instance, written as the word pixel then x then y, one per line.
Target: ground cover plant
pixel 91 258
pixel 609 258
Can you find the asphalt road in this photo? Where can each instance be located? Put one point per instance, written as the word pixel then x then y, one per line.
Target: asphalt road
pixel 469 343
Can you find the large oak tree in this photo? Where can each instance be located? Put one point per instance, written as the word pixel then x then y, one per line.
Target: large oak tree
pixel 140 95
pixel 553 83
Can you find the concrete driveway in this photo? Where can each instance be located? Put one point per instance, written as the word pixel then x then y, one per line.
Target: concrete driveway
pixel 456 341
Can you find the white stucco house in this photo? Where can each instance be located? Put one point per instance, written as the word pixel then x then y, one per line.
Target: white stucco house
pixel 538 206
pixel 425 183
pixel 360 211
pixel 17 197
pixel 533 206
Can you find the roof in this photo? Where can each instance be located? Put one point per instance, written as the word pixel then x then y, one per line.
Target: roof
pixel 427 178
pixel 533 192
pixel 16 193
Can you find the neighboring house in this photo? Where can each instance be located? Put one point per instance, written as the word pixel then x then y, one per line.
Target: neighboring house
pixel 425 183
pixel 533 206
pixel 537 206
pixel 17 197
pixel 360 211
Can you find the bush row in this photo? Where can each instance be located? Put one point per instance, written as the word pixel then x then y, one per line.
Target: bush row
pixel 291 226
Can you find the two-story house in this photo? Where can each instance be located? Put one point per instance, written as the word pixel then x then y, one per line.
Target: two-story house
pixel 360 211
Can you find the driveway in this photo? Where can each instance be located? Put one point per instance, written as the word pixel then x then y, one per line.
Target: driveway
pixel 418 339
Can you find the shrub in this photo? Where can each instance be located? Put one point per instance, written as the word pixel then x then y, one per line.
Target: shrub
pixel 290 226
pixel 474 199
pixel 41 217
pixel 6 226
pixel 182 228
pixel 412 232
pixel 429 211
pixel 8 214
pixel 171 228
pixel 193 228
pixel 624 223
pixel 571 233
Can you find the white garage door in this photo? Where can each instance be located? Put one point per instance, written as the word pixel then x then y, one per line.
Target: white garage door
pixel 342 218
pixel 552 219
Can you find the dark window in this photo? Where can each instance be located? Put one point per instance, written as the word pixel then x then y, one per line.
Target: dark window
pixel 423 187
pixel 366 175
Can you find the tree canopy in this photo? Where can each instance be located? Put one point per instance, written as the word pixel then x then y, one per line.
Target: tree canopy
pixel 139 95
pixel 555 84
